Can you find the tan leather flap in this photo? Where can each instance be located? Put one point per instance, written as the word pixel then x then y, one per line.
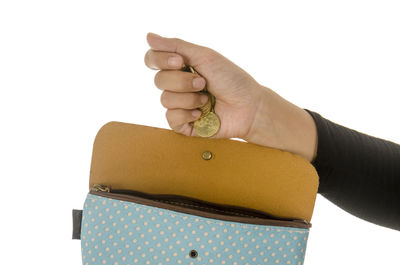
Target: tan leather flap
pixel 157 160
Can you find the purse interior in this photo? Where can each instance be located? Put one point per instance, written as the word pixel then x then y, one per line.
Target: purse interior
pixel 201 205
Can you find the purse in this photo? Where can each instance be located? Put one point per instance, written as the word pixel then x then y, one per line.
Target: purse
pixel 159 197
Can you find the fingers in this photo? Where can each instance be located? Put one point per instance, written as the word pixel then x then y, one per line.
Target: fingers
pixel 192 53
pixel 176 100
pixel 158 60
pixel 169 55
pixel 179 119
pixel 179 81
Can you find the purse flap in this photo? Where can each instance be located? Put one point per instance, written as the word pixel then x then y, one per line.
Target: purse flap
pixel 225 171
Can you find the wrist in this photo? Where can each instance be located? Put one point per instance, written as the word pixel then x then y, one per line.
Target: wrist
pixel 282 125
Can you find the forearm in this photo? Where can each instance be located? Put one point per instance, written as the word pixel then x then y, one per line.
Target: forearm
pixel 358 172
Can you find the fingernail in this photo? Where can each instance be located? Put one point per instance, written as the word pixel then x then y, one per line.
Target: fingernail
pixel 196 113
pixel 199 82
pixel 174 61
pixel 203 99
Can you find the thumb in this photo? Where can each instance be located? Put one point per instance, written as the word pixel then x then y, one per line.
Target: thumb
pixel 192 54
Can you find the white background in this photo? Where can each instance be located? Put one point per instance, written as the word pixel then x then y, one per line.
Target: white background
pixel 68 67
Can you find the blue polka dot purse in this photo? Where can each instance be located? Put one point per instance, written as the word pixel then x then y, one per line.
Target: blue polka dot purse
pixel 158 197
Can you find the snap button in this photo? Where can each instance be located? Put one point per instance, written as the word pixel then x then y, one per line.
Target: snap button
pixel 206 155
pixel 193 253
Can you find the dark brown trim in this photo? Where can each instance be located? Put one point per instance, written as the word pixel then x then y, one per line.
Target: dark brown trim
pixel 183 207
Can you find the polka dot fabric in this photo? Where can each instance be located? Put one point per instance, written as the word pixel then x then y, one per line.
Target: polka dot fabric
pixel 119 232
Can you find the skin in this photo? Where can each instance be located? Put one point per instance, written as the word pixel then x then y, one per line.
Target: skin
pixel 246 109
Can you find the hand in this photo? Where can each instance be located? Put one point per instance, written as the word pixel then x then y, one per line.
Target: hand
pixel 237 94
pixel 246 109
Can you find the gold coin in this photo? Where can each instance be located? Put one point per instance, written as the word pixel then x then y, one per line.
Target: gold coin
pixel 212 101
pixel 206 108
pixel 208 125
pixel 188 68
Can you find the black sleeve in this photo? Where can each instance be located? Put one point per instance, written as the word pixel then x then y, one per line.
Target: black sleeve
pixel 358 172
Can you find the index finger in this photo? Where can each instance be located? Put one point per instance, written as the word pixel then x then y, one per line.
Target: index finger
pixel 159 60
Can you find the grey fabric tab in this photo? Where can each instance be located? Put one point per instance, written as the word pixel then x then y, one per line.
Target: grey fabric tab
pixel 77 223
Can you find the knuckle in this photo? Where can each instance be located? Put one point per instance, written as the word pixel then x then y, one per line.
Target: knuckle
pixel 210 55
pixel 168 116
pixel 164 99
pixel 170 121
pixel 210 51
pixel 157 79
pixel 146 58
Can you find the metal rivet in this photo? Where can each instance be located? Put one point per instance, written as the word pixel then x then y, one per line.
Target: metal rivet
pixel 193 253
pixel 206 155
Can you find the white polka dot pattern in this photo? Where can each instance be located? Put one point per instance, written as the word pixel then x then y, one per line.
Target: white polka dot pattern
pixel 119 232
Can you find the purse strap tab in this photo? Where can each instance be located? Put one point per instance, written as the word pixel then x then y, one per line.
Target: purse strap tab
pixel 76 223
